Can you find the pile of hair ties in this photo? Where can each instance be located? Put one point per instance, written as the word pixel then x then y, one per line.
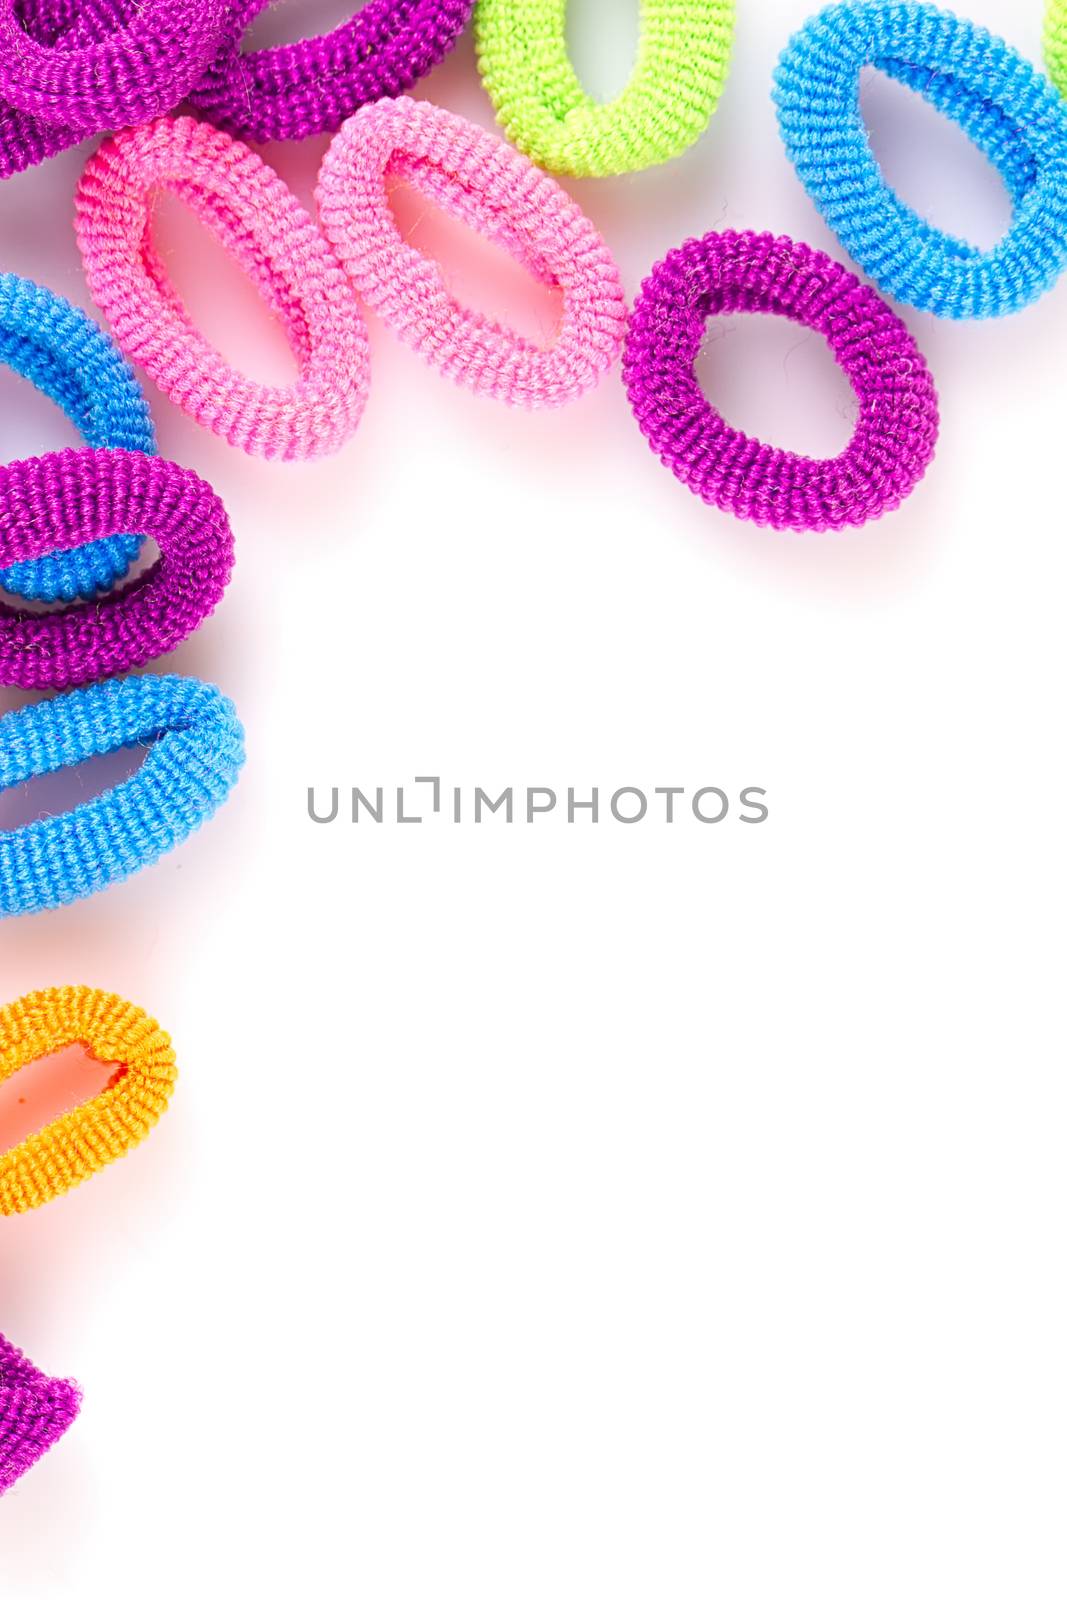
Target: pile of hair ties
pixel 73 523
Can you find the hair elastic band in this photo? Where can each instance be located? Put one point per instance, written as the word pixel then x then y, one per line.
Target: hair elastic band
pixel 58 501
pixel 35 1412
pixel 195 753
pixel 82 1143
pixel 116 62
pixel 67 357
pixel 296 90
pixel 726 273
pixel 476 177
pixel 1002 103
pixel 260 221
pixel 682 64
pixel 1056 43
pixel 25 142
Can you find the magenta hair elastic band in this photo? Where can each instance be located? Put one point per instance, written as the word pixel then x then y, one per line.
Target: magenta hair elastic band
pixel 105 64
pixel 726 273
pixel 478 178
pixel 261 222
pixel 64 500
pixel 296 90
pixel 35 1413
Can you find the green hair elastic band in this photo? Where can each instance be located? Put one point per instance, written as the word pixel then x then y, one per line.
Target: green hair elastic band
pixel 681 67
pixel 1056 43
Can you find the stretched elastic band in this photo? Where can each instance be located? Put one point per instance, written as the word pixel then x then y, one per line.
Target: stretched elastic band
pixel 66 356
pixel 59 501
pixel 118 62
pixel 1004 105
pixel 86 1140
pixel 682 63
pixel 35 1412
pixel 261 222
pixel 726 273
pixel 492 188
pixel 195 753
pixel 296 90
pixel 1056 43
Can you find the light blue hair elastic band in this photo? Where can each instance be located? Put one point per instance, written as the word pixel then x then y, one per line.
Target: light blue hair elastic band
pixel 196 751
pixel 65 355
pixel 1009 110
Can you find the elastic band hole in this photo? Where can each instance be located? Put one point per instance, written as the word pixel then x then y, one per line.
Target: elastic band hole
pixel 44 1090
pixel 479 274
pixel 58 793
pixel 932 165
pixel 276 23
pixel 603 57
pixel 779 383
pixel 33 424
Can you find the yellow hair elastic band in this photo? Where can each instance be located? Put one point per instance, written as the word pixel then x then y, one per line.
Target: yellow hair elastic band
pixel 77 1145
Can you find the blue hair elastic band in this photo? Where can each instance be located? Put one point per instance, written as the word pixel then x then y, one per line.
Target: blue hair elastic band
pixel 195 753
pixel 65 355
pixel 1008 109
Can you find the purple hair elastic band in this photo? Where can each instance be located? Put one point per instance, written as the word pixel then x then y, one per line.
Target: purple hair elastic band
pixel 105 64
pixel 297 90
pixel 726 273
pixel 35 1412
pixel 63 500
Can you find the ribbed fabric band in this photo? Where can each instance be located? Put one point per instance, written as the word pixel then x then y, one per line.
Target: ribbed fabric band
pixel 726 273
pixel 1056 43
pixel 63 353
pixel 1004 105
pixel 25 142
pixel 296 90
pixel 196 751
pixel 682 63
pixel 117 62
pixel 58 501
pixel 260 221
pixel 35 1412
pixel 482 181
pixel 75 1146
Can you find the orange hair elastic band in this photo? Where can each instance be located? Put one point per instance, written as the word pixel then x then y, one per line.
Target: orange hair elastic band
pixel 77 1145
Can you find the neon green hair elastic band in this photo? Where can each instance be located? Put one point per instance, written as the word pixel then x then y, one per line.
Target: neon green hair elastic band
pixel 1056 43
pixel 681 67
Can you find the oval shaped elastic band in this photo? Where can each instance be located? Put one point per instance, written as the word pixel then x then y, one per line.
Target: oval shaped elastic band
pixel 59 501
pixel 682 63
pixel 261 222
pixel 1006 107
pixel 196 751
pixel 727 273
pixel 118 63
pixel 492 188
pixel 1056 43
pixel 67 357
pixel 35 1412
pixel 296 90
pixel 84 1141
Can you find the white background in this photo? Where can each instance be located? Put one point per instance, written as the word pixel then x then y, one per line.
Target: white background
pixel 570 1211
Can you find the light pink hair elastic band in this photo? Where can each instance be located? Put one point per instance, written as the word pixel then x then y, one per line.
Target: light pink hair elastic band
pixel 261 222
pixel 481 180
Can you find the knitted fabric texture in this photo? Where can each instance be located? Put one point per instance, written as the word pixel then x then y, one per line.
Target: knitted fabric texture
pixel 75 1146
pixel 478 178
pixel 67 357
pixel 1056 43
pixel 195 753
pixel 59 501
pixel 296 90
pixel 260 221
pixel 25 142
pixel 1004 105
pixel 726 273
pixel 681 67
pixel 35 1412
pixel 105 63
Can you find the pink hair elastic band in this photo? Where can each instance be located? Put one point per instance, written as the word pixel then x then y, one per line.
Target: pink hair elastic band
pixel 263 225
pixel 478 178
